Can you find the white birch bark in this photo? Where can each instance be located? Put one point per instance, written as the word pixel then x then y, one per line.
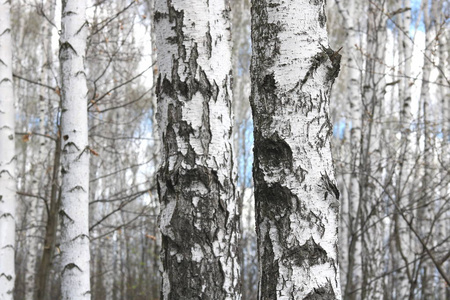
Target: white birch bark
pixel 74 211
pixel 7 158
pixel 198 219
pixel 296 198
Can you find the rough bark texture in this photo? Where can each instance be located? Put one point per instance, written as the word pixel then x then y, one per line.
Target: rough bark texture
pixel 198 220
pixel 7 158
pixel 296 198
pixel 74 212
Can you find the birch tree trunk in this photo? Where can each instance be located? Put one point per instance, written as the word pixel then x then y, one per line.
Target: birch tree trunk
pixel 296 198
pixel 39 183
pixel 74 212
pixel 402 234
pixel 198 219
pixel 7 159
pixel 351 207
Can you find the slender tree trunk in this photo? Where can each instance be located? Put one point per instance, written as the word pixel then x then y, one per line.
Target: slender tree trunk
pixel 444 95
pixel 7 159
pixel 351 204
pixel 296 198
pixel 74 212
pixel 40 179
pixel 199 219
pixel 404 255
pixel 45 264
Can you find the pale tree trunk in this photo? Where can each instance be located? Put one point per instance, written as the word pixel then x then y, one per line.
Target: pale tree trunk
pixel 7 159
pixel 351 245
pixel 444 224
pixel 402 234
pixel 40 179
pixel 74 212
pixel 371 154
pixel 296 198
pixel 198 219
pixel 424 214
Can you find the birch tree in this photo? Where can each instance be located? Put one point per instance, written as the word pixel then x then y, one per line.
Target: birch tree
pixel 198 219
pixel 74 211
pixel 7 159
pixel 297 202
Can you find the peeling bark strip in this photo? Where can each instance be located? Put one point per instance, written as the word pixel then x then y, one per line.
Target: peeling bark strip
pixel 7 159
pixel 74 211
pixel 297 201
pixel 198 220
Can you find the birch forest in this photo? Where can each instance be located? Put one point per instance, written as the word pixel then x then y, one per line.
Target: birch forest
pixel 224 149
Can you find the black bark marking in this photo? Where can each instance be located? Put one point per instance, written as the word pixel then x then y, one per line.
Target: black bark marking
pixel 274 202
pixel 64 50
pixel 204 86
pixel 325 292
pixel 190 157
pixel 316 2
pixel 7 30
pixel 69 144
pixel 322 17
pixel 208 42
pixel 308 254
pixel 6 215
pixel 63 214
pixel 205 130
pixel 335 58
pixel 269 84
pixel 8 277
pixel 78 187
pixel 185 130
pixel 81 236
pixel 171 145
pixel 274 152
pixel 215 91
pixel 330 186
pixel 158 16
pixel 71 266
pixel 315 221
pixel 177 17
pixel 316 61
pixel 269 276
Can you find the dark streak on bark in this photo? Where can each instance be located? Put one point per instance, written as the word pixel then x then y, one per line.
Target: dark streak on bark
pixel 308 254
pixel 325 292
pixel 209 41
pixel 274 152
